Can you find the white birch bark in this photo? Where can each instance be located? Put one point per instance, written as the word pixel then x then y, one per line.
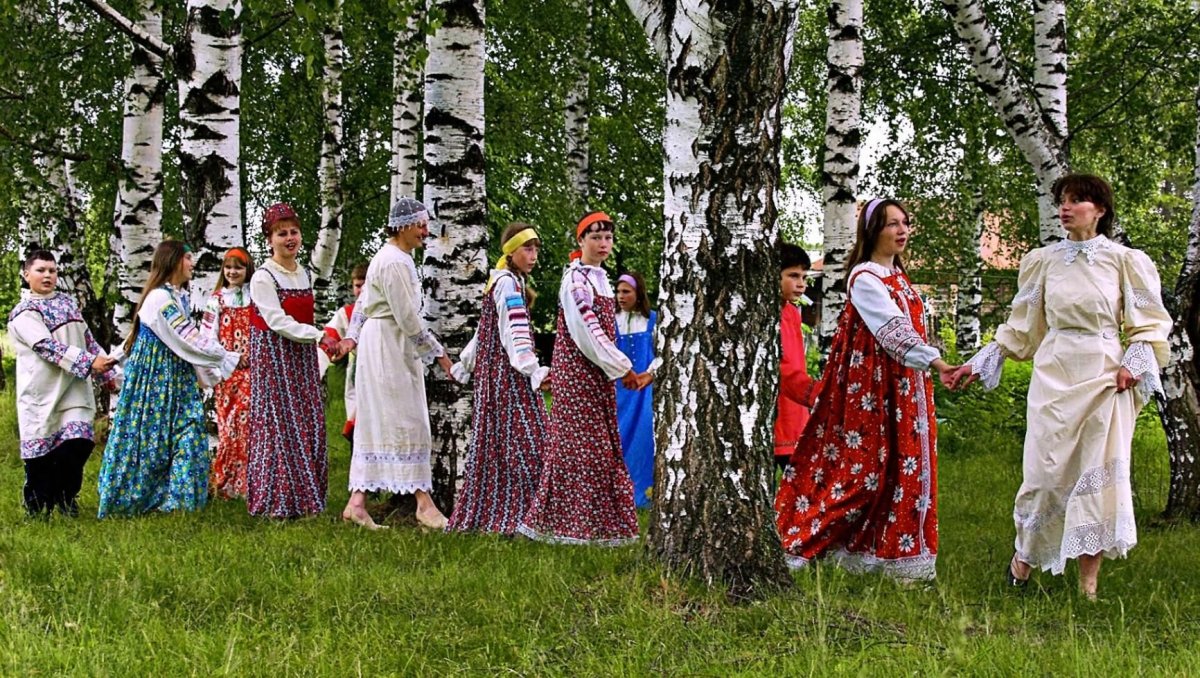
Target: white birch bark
pixel 839 169
pixel 719 337
pixel 1180 409
pixel 970 280
pixel 209 68
pixel 1039 144
pixel 329 234
pixel 1050 59
pixel 407 92
pixel 137 219
pixel 577 105
pixel 455 263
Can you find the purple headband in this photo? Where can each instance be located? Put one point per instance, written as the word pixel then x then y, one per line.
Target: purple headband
pixel 628 279
pixel 871 208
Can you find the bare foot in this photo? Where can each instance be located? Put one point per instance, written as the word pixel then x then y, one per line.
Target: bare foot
pixel 432 518
pixel 362 519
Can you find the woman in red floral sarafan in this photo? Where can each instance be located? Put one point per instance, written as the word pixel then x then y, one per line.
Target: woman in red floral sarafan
pixel 861 488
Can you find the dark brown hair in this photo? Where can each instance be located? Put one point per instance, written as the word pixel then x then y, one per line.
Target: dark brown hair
pixel 1090 188
pixel 168 257
pixel 509 231
pixel 641 300
pixel 868 233
pixel 37 255
pixel 359 272
pixel 247 263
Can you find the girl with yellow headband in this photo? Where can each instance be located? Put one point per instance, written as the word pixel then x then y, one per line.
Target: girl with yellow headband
pixel 508 432
pixel 585 495
pixel 227 320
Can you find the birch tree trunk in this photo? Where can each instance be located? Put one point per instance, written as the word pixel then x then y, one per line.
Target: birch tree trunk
pixel 455 265
pixel 407 91
pixel 839 169
pixel 137 219
pixel 1039 131
pixel 1180 409
pixel 970 281
pixel 209 66
pixel 325 249
pixel 578 110
pixel 726 67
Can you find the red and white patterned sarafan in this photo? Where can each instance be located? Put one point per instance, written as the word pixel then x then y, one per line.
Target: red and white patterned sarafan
pixel 232 400
pixel 861 488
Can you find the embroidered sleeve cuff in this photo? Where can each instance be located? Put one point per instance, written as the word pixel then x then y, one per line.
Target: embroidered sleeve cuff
pixel 898 338
pixel 229 363
pixel 78 362
pixel 988 364
pixel 1139 360
pixel 428 347
pixel 460 373
pixel 538 376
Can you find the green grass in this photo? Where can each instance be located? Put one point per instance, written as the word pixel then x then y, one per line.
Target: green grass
pixel 219 593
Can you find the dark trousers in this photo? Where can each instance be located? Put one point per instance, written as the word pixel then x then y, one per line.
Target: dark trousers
pixel 54 479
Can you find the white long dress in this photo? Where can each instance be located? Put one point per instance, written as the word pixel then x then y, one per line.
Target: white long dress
pixel 392 440
pixel 1075 299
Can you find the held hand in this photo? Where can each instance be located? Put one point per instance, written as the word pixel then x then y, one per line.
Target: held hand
pixel 243 362
pixel 630 381
pixel 102 364
pixel 344 347
pixel 957 376
pixel 545 385
pixel 330 346
pixel 1125 380
pixel 644 379
pixel 446 366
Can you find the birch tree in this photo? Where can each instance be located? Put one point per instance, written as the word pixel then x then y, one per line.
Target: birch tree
pixel 839 167
pixel 137 218
pixel 208 65
pixel 455 261
pixel 1038 126
pixel 577 109
pixel 725 65
pixel 407 75
pixel 970 280
pixel 1180 409
pixel 325 249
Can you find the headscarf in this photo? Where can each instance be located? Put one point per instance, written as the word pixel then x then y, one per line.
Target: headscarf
pixel 511 245
pixel 583 225
pixel 405 213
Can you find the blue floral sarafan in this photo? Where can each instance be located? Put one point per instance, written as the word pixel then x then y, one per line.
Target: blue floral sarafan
pixel 157 456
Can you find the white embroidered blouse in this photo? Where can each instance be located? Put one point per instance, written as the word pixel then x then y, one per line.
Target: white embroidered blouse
pixel 891 327
pixel 507 293
pixel 264 296
pixel 581 284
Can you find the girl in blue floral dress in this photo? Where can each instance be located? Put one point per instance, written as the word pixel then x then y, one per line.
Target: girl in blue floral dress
pixel 157 453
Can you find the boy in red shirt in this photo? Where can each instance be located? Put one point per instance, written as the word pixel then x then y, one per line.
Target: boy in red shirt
pixel 790 415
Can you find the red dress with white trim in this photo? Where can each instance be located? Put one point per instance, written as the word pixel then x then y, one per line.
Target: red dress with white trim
pixel 861 488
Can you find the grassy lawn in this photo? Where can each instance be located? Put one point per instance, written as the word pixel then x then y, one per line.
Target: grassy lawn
pixel 219 593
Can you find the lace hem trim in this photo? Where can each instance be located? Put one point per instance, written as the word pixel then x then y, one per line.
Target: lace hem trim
pixel 363 485
pixel 1140 361
pixel 914 568
pixel 988 364
pixel 527 531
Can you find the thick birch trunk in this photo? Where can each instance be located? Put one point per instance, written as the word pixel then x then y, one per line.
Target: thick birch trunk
pixel 970 281
pixel 325 249
pixel 726 70
pixel 578 109
pixel 1180 410
pixel 1039 143
pixel 407 91
pixel 209 67
pixel 1050 71
pixel 137 219
pixel 839 170
pixel 455 264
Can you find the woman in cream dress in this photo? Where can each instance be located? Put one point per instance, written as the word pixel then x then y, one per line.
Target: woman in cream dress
pixel 1075 299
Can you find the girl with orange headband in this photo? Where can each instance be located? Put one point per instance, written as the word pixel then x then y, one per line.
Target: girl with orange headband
pixel 227 320
pixel 508 429
pixel 585 495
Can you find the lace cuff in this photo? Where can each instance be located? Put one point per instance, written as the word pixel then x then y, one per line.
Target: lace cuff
pixel 1139 360
pixel 988 364
pixel 428 347
pixel 460 373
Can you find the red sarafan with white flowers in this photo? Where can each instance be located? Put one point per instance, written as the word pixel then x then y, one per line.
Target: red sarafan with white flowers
pixel 862 484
